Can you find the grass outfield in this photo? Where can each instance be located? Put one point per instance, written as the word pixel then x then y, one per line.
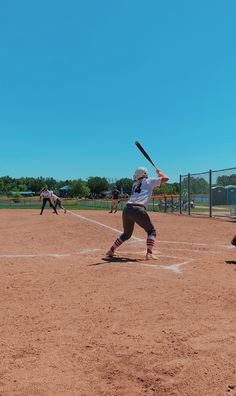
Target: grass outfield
pixel 105 204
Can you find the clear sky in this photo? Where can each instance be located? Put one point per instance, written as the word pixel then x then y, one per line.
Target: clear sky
pixel 81 80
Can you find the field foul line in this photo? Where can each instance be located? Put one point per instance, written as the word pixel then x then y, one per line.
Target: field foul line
pixel 102 224
pixel 133 237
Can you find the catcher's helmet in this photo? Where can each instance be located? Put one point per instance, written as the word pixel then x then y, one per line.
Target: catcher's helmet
pixel 140 173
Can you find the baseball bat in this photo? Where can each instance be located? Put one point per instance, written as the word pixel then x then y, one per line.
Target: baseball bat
pixel 145 153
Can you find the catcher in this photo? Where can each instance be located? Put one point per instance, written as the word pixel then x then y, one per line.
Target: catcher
pixel 135 210
pixel 234 241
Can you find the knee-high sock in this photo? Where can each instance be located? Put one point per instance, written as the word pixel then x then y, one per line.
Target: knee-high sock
pixel 150 243
pixel 116 244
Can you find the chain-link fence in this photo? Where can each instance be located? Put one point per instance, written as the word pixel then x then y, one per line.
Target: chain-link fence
pixel 211 193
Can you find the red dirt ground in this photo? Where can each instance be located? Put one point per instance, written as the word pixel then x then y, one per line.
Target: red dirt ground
pixel 75 323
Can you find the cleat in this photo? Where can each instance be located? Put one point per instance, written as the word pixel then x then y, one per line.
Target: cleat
pixel 110 253
pixel 151 256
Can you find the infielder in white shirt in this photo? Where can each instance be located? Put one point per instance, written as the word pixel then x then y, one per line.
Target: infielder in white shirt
pixel 46 194
pixel 57 201
pixel 135 210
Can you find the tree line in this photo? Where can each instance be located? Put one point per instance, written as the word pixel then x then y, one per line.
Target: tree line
pixel 99 186
pixel 199 185
pixel 92 187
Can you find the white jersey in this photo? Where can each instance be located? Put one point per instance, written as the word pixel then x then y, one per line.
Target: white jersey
pixel 142 191
pixel 46 194
pixel 55 197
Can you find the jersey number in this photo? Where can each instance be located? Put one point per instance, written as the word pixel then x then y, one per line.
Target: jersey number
pixel 138 188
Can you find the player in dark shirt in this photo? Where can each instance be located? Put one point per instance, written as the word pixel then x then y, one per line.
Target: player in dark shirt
pixel 115 199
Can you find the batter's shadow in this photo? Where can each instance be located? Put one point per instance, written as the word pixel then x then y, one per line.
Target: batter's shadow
pixel 109 260
pixel 230 262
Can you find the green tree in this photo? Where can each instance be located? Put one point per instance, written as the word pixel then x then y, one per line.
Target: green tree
pixel 79 188
pixel 167 188
pixel 125 185
pixel 36 184
pixel 198 185
pixel 226 180
pixel 51 183
pixel 97 185
pixel 8 184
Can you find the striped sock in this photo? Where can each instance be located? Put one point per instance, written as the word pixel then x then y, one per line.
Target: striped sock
pixel 150 243
pixel 116 244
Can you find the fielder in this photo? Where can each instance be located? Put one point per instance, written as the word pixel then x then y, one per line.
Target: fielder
pixel 115 199
pixel 135 210
pixel 46 194
pixel 57 202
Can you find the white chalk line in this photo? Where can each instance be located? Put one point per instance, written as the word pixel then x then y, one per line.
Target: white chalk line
pixel 102 224
pixel 141 240
pixel 174 267
pixel 30 255
pixel 133 237
pixel 34 255
pixel 171 267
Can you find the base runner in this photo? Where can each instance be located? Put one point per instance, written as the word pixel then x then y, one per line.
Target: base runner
pixel 135 210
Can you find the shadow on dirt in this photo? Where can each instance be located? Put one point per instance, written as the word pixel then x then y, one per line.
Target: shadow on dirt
pixel 108 260
pixel 230 262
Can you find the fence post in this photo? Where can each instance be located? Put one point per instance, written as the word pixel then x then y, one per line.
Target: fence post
pixel 210 193
pixel 180 194
pixel 189 198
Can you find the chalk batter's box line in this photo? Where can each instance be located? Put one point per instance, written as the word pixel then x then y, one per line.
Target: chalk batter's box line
pixel 56 255
pixel 136 239
pixel 174 267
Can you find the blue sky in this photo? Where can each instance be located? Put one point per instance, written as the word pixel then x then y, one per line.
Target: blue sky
pixel 80 81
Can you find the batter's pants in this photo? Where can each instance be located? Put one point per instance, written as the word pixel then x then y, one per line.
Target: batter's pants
pixel 136 214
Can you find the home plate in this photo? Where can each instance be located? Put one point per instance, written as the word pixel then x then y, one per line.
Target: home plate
pixel 166 262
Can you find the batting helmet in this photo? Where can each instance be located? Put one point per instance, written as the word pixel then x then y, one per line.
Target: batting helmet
pixel 140 173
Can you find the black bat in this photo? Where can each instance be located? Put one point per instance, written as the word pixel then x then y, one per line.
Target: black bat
pixel 144 153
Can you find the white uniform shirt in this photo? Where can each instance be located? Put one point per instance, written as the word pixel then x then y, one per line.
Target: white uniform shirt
pixel 142 191
pixel 55 197
pixel 46 194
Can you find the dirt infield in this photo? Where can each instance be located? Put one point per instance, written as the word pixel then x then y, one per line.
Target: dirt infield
pixel 76 323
